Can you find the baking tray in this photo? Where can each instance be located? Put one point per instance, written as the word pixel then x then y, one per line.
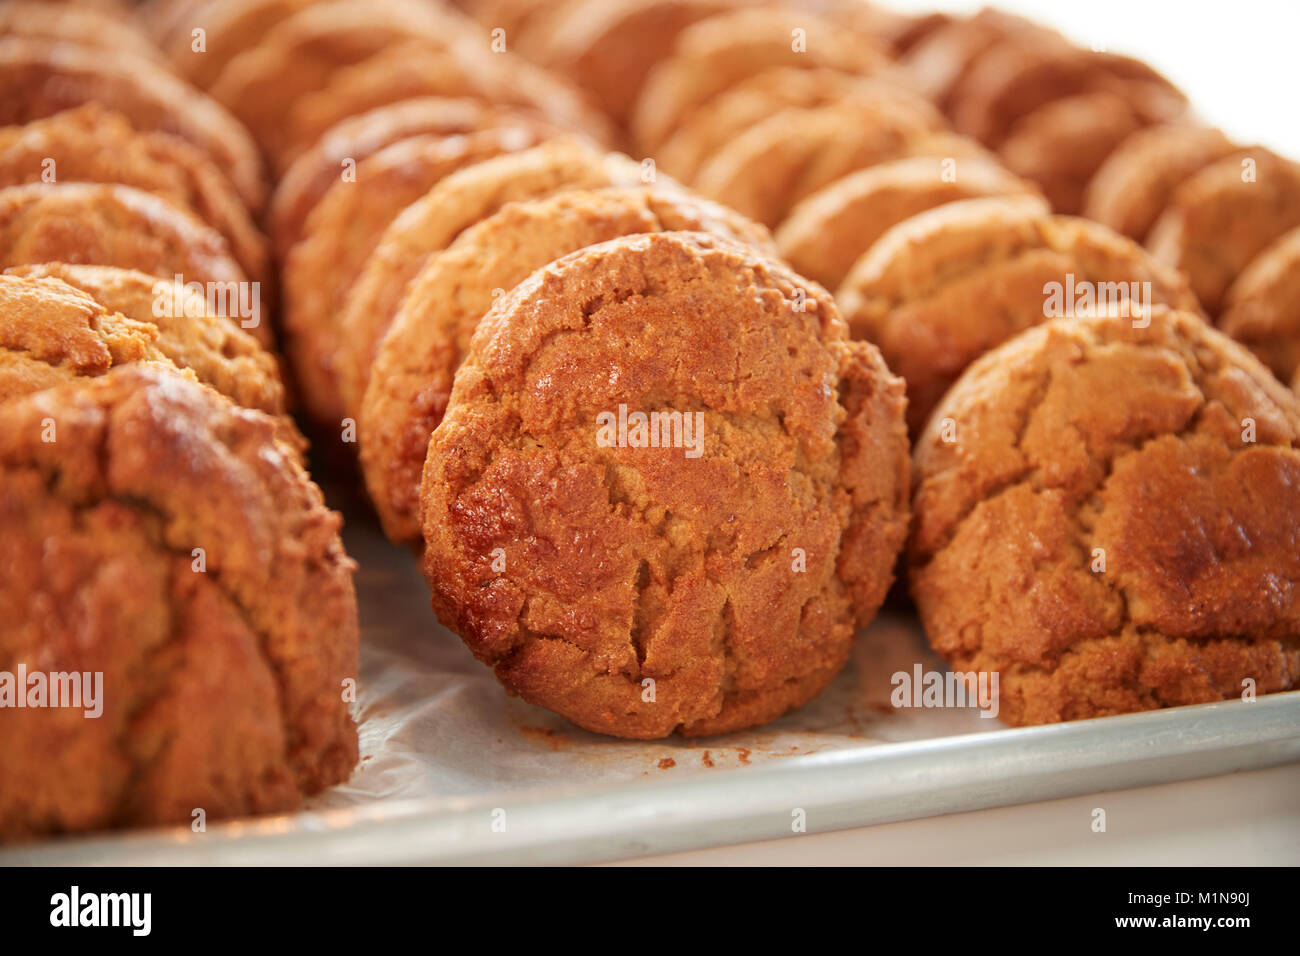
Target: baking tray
pixel 447 757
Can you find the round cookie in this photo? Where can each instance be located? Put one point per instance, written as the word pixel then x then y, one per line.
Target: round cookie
pixel 170 319
pixel 826 233
pixel 431 223
pixel 411 376
pixel 112 225
pixel 1135 183
pixel 222 680
pixel 726 574
pixel 38 79
pixel 1223 216
pixel 73 23
pixel 938 290
pixel 1262 307
pixel 343 230
pixel 1118 554
pixel 90 144
pixel 711 56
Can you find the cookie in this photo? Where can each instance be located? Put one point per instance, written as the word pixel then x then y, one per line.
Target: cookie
pixel 74 23
pixel 170 320
pixel 229 27
pixel 431 223
pixel 339 236
pixel 411 377
pixel 1135 183
pixel 766 170
pixel 937 63
pixel 826 233
pixel 711 56
pixel 352 141
pixel 697 587
pixel 938 290
pixel 166 541
pixel 1218 220
pixel 1118 554
pixel 109 225
pixel 38 79
pixel 1262 306
pixel 90 144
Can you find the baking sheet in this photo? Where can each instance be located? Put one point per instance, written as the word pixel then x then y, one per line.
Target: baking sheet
pixel 453 770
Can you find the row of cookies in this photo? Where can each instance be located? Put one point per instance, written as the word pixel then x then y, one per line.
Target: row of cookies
pixel 165 551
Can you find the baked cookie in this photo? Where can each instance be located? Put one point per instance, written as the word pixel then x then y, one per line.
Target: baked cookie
pixel 1137 180
pixel 826 233
pixel 39 78
pixel 938 290
pixel 1118 554
pixel 354 140
pixel 90 144
pixel 766 170
pixel 1223 216
pixel 167 541
pixel 411 377
pixel 343 230
pixel 937 63
pixel 711 56
pixel 167 324
pixel 74 23
pixel 1262 307
pixel 431 223
pixel 229 28
pixel 697 587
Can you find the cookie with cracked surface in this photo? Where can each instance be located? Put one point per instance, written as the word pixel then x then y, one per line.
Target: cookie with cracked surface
pixel 1262 307
pixel 711 56
pixel 411 377
pixel 938 290
pixel 1134 185
pixel 432 222
pixel 221 687
pixel 91 144
pixel 38 79
pixel 340 235
pixel 624 562
pixel 1220 218
pixel 826 233
pixel 1119 554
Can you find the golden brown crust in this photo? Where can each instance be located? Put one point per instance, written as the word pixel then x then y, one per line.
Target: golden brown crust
pixel 938 63
pixel 74 23
pixel 623 564
pixel 431 223
pixel 90 144
pixel 1220 218
pixel 1132 551
pixel 411 377
pixel 1262 307
pixel 229 27
pixel 222 687
pixel 1135 183
pixel 38 79
pixel 940 289
pixel 828 231
pixel 343 230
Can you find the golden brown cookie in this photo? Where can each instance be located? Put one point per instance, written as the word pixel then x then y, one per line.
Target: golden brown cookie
pixel 74 23
pixel 1220 218
pixel 90 144
pixel 713 55
pixel 1123 553
pixel 430 224
pixel 339 236
pixel 826 233
pixel 38 79
pixel 1262 307
pixel 312 174
pixel 173 321
pixel 111 225
pixel 937 63
pixel 166 541
pixel 766 170
pixel 1135 183
pixel 641 589
pixel 411 377
pixel 938 290
pixel 229 27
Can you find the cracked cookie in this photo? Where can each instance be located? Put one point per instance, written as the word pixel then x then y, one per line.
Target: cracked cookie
pixel 644 587
pixel 1132 551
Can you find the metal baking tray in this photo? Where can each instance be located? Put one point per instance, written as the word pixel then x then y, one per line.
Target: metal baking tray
pixel 455 771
